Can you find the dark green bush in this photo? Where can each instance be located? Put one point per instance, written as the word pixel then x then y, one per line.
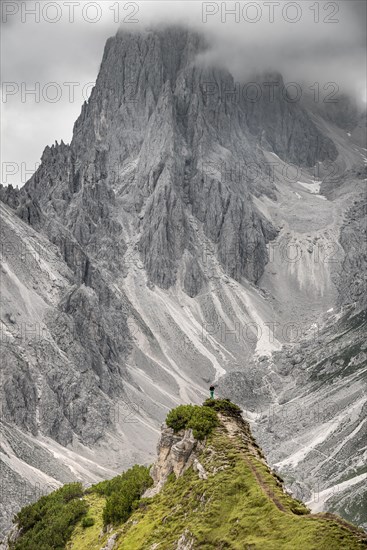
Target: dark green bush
pixel 117 509
pixel 123 493
pixel 49 522
pixel 87 522
pixel 201 420
pixel 224 406
pixel 178 418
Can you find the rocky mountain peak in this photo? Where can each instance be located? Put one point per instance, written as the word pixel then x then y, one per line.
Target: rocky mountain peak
pixel 156 138
pixel 138 255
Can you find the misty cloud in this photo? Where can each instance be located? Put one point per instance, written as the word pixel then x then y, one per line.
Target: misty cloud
pixel 308 50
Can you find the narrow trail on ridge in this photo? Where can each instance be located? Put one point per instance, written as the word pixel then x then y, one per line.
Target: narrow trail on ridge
pixel 234 431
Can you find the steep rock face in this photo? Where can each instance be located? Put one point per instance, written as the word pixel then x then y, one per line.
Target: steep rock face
pixel 53 331
pixel 353 238
pixel 159 186
pixel 155 141
pixel 340 109
pixel 176 453
pixel 9 195
pixel 281 123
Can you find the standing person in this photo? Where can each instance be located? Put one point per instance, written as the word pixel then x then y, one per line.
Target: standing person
pixel 211 389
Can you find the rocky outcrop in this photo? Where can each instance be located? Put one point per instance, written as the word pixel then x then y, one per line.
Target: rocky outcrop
pixel 186 541
pixel 9 195
pixel 180 451
pixel 282 125
pixel 176 453
pixel 353 238
pixel 110 543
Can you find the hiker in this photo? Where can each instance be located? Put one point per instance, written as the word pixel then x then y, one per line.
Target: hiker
pixel 212 388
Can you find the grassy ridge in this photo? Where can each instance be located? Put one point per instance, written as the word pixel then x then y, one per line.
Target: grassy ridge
pixel 240 505
pixel 230 510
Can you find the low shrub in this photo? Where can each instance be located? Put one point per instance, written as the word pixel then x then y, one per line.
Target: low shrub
pixel 178 418
pixel 224 406
pixel 123 493
pixel 201 420
pixel 49 522
pixel 87 522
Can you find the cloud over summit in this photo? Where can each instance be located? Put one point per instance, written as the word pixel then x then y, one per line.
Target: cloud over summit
pixel 306 41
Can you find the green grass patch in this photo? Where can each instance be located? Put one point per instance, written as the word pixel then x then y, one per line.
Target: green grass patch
pixel 229 510
pixel 89 538
pixel 51 522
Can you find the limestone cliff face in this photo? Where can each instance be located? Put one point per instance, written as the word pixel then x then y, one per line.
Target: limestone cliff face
pixel 353 238
pixel 160 139
pixel 176 453
pixel 282 125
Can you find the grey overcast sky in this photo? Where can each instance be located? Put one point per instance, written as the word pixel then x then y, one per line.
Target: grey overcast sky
pixel 55 48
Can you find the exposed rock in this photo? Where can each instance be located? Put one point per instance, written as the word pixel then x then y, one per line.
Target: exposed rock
pixel 186 541
pixel 110 543
pixel 296 359
pixel 353 238
pixel 9 195
pixel 11 538
pixel 200 469
pixel 275 116
pixel 176 453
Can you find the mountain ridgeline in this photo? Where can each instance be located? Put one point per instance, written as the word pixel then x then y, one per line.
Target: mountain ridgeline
pixel 209 490
pixel 145 260
pixel 151 139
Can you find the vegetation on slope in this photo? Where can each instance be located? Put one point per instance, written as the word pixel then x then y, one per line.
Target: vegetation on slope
pixel 88 538
pixel 201 420
pixel 123 493
pixel 50 521
pixel 240 505
pixel 224 406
